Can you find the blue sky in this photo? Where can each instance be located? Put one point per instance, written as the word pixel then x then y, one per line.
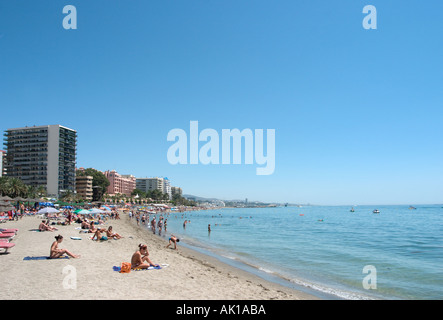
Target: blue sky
pixel 357 113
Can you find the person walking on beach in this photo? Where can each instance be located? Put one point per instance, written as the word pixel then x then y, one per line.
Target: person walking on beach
pixel 160 226
pixel 140 259
pixel 153 225
pixel 56 252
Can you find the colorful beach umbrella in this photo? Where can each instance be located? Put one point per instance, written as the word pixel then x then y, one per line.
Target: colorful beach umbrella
pixel 48 210
pixel 82 211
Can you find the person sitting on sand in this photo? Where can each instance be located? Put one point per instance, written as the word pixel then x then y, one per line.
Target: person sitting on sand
pixel 111 234
pixel 92 228
pixel 56 252
pixel 46 227
pixel 173 240
pixel 85 224
pixel 140 259
pixel 98 235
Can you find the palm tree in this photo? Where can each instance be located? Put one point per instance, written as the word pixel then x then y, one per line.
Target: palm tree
pixel 16 188
pixel 3 185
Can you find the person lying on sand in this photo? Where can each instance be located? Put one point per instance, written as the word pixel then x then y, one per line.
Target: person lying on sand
pixel 140 259
pixel 56 252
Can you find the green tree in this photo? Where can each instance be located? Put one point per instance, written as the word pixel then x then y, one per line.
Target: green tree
pixel 138 192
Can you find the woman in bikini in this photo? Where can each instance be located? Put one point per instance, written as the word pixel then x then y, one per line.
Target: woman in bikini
pixel 111 234
pixel 56 252
pixel 140 259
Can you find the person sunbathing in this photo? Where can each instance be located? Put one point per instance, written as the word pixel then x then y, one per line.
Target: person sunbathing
pixel 111 234
pixel 92 228
pixel 140 259
pixel 56 252
pixel 98 235
pixel 85 224
pixel 46 227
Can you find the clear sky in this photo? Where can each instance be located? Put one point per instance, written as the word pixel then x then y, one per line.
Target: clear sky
pixel 358 114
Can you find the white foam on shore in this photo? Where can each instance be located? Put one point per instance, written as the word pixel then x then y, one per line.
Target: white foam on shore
pixel 347 295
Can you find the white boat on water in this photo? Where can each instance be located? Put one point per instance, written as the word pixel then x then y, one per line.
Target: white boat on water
pixel 376 211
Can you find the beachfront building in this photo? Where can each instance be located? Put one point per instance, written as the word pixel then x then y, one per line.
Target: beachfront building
pixel 83 186
pixel 120 184
pixel 148 184
pixel 176 190
pixel 2 162
pixel 42 156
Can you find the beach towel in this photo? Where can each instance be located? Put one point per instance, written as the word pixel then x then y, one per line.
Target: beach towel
pixel 76 238
pixel 118 269
pixel 44 258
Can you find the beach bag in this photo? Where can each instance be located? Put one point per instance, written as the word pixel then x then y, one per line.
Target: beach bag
pixel 125 268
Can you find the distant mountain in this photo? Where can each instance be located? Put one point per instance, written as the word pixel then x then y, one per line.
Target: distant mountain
pixel 197 198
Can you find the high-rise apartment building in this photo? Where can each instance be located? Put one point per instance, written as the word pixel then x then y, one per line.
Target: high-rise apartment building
pixel 147 184
pixel 42 156
pixel 2 162
pixel 176 190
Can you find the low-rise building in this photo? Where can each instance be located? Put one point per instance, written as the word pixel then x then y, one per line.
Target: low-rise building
pixel 83 187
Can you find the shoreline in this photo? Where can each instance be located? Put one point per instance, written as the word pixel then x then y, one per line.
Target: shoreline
pixel 186 275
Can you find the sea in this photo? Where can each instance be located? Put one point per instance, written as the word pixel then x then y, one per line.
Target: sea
pixel 327 251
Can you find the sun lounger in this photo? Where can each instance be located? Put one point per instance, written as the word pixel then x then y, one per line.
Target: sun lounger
pixel 7 235
pixel 11 230
pixel 6 246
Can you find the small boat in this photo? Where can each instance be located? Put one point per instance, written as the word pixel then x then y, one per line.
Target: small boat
pixel 375 211
pixel 412 208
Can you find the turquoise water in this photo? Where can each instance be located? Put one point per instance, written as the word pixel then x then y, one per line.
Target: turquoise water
pixel 325 248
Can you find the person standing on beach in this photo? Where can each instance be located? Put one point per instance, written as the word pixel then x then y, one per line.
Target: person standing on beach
pixel 153 222
pixel 160 226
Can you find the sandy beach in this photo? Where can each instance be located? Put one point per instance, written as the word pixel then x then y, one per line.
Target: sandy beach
pixel 186 274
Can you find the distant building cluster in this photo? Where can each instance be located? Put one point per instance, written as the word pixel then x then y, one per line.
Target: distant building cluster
pixel 45 156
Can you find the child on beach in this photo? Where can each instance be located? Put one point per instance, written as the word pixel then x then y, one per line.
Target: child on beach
pixel 173 240
pixel 56 252
pixel 140 259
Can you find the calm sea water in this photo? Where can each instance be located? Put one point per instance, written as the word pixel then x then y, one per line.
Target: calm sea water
pixel 326 248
